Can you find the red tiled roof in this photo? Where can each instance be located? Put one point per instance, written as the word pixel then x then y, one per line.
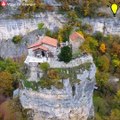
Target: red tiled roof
pixel 50 41
pixel 41 47
pixel 45 40
pixel 35 44
pixel 75 36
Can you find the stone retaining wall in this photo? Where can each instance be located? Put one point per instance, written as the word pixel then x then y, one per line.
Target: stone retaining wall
pixel 73 63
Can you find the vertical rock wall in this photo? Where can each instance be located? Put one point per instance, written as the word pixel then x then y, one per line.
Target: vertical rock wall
pixel 55 104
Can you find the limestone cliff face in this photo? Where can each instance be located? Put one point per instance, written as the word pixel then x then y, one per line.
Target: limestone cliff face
pixel 70 103
pixel 10 28
pixel 28 29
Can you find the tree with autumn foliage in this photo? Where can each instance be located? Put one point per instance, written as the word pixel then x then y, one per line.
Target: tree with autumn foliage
pixel 53 74
pixel 9 73
pixel 115 48
pixel 102 78
pixel 114 115
pixel 6 80
pixel 37 2
pixel 60 38
pixel 103 63
pixel 64 33
pixel 117 97
pixel 89 7
pixel 90 45
pixel 102 48
pixel 65 6
pixel 115 63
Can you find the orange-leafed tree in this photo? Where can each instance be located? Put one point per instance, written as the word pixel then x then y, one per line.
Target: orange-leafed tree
pixel 116 48
pixel 103 48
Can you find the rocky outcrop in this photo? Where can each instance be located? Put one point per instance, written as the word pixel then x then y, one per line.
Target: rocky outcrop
pixel 104 25
pixel 12 27
pixel 70 103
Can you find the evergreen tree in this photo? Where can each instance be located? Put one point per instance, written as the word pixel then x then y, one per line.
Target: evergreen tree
pixel 66 54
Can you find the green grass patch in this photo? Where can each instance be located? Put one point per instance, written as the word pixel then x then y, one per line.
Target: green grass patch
pixel 31 84
pixel 47 83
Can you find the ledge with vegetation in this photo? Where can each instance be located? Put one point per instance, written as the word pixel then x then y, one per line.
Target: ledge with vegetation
pixel 54 76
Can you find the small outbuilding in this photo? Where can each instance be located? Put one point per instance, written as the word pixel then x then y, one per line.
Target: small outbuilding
pixel 76 39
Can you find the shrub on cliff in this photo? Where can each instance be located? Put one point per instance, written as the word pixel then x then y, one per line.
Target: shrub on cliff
pixel 53 74
pixel 44 66
pixel 17 39
pixel 47 83
pixel 40 26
